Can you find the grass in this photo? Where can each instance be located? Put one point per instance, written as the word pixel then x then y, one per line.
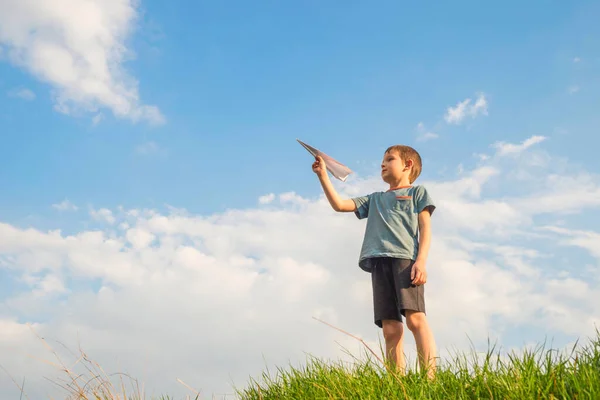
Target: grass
pixel 85 379
pixel 533 374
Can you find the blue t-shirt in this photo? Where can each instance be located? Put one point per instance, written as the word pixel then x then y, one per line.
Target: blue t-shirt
pixel 392 224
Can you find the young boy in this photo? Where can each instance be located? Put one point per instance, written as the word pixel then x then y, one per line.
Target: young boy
pixel 394 251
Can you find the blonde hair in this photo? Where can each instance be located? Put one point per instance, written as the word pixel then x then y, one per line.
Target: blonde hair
pixel 408 153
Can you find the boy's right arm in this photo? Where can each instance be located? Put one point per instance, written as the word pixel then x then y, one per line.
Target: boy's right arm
pixel 337 203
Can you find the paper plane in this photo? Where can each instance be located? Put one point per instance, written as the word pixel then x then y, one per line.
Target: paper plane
pixel 337 169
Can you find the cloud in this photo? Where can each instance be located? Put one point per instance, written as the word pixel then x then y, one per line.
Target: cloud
pixel 576 60
pixel 503 148
pixel 147 148
pixel 425 135
pixel 104 215
pixel 292 198
pixel 23 94
pixel 65 205
pixel 139 238
pixel 428 136
pixel 573 89
pixel 557 191
pixel 471 185
pixel 79 48
pixel 97 119
pixel 464 109
pixel 261 274
pixel 266 199
pixel 587 240
pixel 45 285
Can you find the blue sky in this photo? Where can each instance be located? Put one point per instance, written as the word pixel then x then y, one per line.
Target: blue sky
pixel 197 107
pixel 351 79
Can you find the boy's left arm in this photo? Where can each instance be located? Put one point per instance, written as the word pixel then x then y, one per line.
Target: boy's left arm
pixel 419 271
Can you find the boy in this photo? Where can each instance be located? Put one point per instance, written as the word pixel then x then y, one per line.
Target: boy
pixel 394 251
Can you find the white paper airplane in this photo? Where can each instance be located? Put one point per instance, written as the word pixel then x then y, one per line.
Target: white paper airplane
pixel 337 169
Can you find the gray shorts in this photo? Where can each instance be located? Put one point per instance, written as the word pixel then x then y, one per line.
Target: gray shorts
pixel 393 292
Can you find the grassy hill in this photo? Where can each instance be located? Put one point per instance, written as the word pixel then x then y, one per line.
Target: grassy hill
pixel 537 374
pixel 534 374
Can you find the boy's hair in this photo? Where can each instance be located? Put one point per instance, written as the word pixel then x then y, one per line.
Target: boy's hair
pixel 408 153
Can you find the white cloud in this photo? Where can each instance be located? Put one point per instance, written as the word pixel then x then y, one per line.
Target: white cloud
pixel 44 285
pixel 261 273
pixel 292 197
pixel 23 94
pixel 78 47
pixel 104 215
pixel 469 186
pixel 147 148
pixel 576 59
pixel 557 194
pixel 139 238
pixel 503 148
pixel 266 199
pixel 97 119
pixel 573 89
pixel 425 135
pixel 464 109
pixel 588 240
pixel 65 205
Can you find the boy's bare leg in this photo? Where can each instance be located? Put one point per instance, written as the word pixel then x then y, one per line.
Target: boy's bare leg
pixel 393 333
pixel 418 325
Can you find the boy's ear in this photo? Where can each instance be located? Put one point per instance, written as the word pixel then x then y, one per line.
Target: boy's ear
pixel 409 163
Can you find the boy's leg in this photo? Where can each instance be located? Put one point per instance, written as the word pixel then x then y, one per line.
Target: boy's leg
pixel 387 314
pixel 418 325
pixel 393 333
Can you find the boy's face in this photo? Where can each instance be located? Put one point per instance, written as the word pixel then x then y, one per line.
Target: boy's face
pixel 393 168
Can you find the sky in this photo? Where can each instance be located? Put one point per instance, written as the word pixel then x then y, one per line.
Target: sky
pixel 158 213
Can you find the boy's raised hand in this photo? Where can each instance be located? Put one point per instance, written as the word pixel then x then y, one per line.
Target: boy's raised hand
pixel 319 167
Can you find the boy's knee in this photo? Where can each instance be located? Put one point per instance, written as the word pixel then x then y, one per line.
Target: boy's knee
pixel 392 330
pixel 414 320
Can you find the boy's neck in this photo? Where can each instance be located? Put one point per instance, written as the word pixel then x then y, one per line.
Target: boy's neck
pixel 401 183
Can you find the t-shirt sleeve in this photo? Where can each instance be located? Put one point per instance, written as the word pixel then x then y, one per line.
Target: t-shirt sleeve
pixel 362 206
pixel 423 200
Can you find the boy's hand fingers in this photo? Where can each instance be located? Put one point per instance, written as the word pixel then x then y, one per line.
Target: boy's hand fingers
pixel 319 164
pixel 418 276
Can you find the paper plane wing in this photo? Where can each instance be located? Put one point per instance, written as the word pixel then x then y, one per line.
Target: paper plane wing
pixel 337 169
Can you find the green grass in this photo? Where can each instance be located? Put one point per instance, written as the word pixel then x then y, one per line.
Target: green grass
pixel 534 374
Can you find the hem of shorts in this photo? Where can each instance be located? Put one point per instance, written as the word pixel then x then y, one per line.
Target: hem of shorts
pixel 379 322
pixel 403 310
pixel 390 255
